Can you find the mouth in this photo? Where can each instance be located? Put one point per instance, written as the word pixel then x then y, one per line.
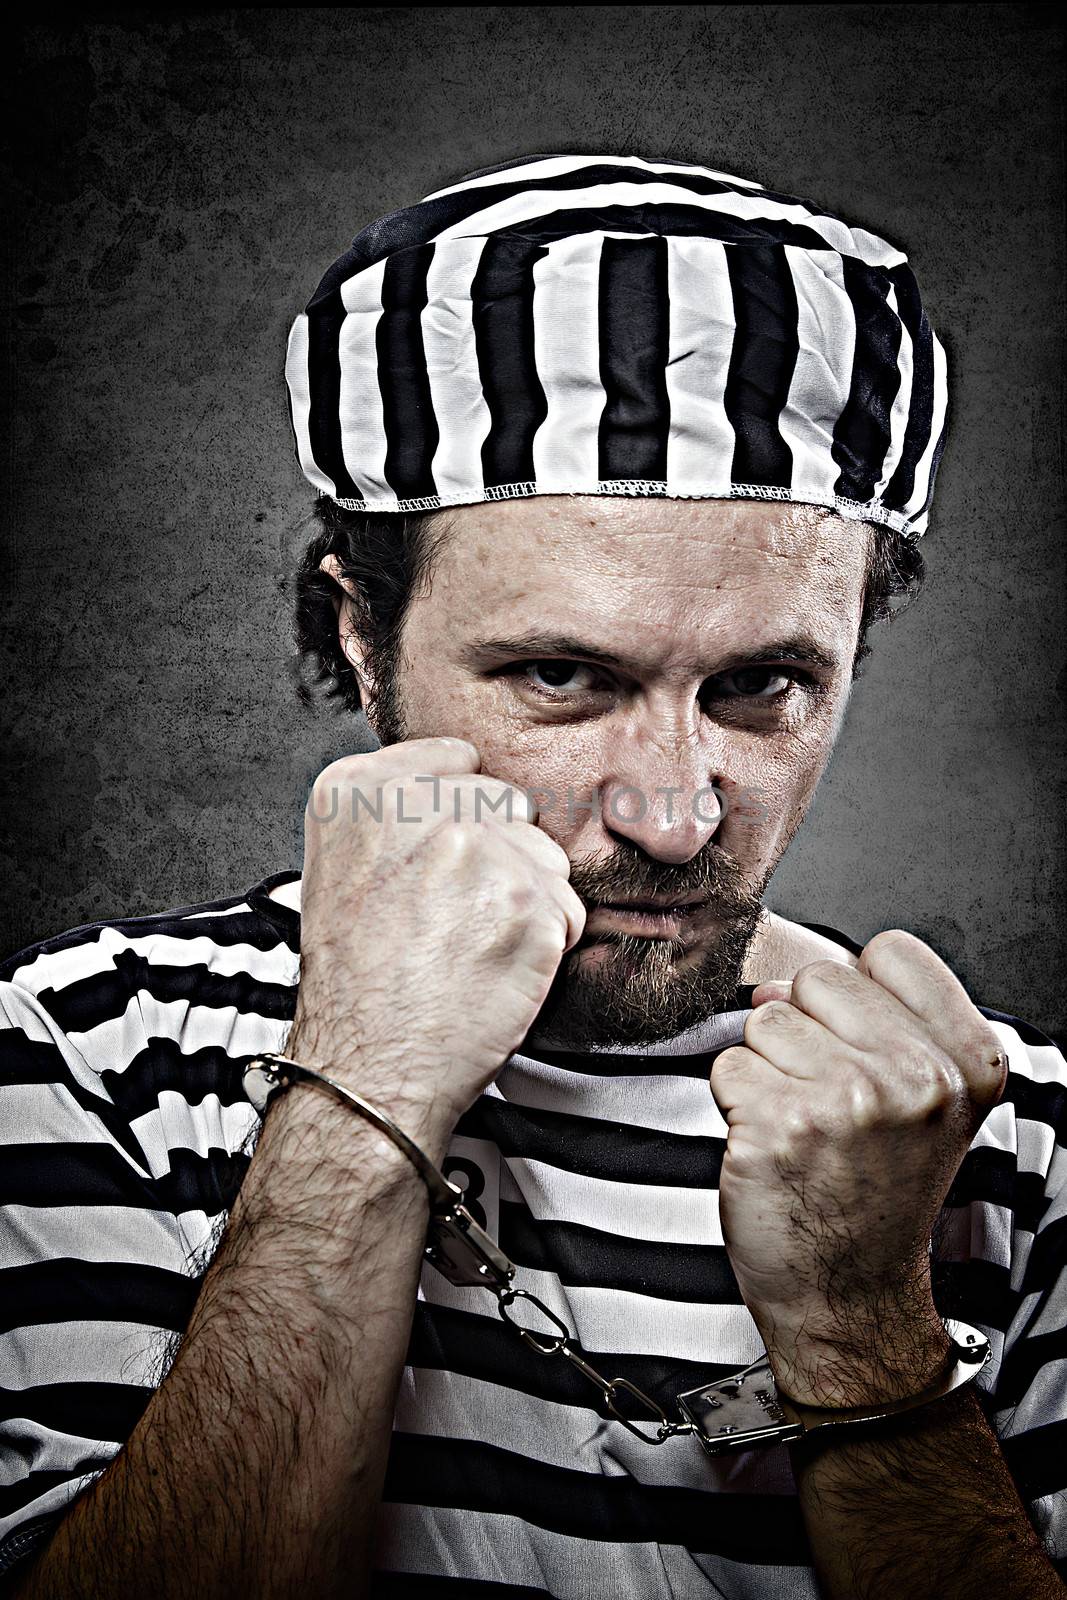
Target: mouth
pixel 665 918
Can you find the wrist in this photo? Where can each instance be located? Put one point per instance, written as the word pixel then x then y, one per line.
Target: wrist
pixel 864 1356
pixel 319 1170
pixel 387 1081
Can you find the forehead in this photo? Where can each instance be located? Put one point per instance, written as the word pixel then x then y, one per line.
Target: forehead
pixel 666 568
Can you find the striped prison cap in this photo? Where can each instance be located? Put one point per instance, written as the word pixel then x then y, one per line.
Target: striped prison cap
pixel 575 324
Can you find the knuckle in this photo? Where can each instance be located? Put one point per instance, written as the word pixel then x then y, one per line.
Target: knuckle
pixel 797 1129
pixel 334 773
pixel 862 1103
pixel 943 1084
pixel 518 895
pixel 490 799
pixel 554 853
pixel 456 844
pixel 322 796
pixel 929 1084
pixel 891 947
pixel 734 1059
pixel 773 1015
pixel 824 973
pixel 988 1051
pixel 357 768
pixel 987 1064
pixel 455 750
pixel 571 902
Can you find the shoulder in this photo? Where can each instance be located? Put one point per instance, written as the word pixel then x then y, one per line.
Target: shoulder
pixel 213 933
pixel 113 984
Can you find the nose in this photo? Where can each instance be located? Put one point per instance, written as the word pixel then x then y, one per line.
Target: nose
pixel 663 796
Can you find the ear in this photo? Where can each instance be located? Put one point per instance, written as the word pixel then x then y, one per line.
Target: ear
pixel 348 637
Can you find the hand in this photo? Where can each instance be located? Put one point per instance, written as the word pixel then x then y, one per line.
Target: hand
pixel 850 1106
pixel 432 927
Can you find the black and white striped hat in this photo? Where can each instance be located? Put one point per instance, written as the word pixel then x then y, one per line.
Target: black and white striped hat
pixel 614 325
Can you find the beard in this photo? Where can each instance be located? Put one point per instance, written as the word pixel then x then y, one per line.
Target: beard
pixel 642 990
pixel 645 990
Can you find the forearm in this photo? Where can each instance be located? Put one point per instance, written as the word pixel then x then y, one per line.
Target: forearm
pixel 257 1466
pixel 926 1509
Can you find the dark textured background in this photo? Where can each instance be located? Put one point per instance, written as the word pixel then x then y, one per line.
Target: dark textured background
pixel 181 180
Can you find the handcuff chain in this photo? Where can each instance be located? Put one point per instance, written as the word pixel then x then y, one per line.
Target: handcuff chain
pixel 564 1343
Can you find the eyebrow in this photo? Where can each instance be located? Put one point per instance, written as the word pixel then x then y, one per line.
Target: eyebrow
pixel 799 648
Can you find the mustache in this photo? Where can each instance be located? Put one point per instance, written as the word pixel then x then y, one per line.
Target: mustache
pixel 713 875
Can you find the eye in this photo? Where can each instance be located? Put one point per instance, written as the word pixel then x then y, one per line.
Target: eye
pixel 558 678
pixel 754 683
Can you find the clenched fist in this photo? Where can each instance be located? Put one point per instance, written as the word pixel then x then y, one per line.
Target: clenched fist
pixel 850 1106
pixel 434 916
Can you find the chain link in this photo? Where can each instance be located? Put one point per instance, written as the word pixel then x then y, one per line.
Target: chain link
pixel 562 1342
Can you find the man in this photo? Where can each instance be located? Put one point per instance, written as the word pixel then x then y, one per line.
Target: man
pixel 617 461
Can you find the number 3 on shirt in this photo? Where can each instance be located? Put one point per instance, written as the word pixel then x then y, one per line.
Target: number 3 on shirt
pixel 473 1165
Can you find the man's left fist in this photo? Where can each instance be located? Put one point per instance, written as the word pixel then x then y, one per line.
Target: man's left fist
pixel 850 1106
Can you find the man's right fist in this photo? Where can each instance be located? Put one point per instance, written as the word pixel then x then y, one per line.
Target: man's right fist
pixel 435 913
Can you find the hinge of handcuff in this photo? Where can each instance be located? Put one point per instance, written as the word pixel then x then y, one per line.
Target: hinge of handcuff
pixel 464 1253
pixel 739 1411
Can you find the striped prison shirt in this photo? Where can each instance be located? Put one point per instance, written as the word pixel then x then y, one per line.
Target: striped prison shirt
pixel 124 1122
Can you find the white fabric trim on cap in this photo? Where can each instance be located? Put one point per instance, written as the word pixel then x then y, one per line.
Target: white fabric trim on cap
pixel 645 489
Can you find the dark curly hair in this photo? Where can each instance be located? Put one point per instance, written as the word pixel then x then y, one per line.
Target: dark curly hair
pixel 389 557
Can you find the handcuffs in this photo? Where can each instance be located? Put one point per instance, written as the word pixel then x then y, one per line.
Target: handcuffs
pixel 740 1412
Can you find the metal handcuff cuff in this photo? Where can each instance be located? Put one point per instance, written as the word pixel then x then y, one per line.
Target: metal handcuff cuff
pixel 741 1411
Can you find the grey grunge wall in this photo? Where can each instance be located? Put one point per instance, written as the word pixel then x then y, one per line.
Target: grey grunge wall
pixel 179 181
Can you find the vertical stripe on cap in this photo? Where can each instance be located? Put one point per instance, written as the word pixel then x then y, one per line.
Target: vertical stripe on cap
pixel 901 408
pixel 463 418
pixel 826 336
pixel 634 340
pixel 407 406
pixel 701 444
pixel 503 297
pixel 566 310
pixel 362 428
pixel 862 436
pixel 325 434
pixel 898 494
pixel 296 377
pixel 762 364
pixel 927 466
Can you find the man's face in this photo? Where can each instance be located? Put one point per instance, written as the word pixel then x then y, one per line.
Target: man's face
pixel 668 677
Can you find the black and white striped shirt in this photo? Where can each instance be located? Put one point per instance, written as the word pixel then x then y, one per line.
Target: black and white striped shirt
pixel 124 1121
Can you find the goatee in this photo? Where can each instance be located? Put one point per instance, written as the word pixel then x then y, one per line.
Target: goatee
pixel 641 991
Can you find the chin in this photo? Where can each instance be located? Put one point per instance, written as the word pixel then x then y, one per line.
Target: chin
pixel 622 989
